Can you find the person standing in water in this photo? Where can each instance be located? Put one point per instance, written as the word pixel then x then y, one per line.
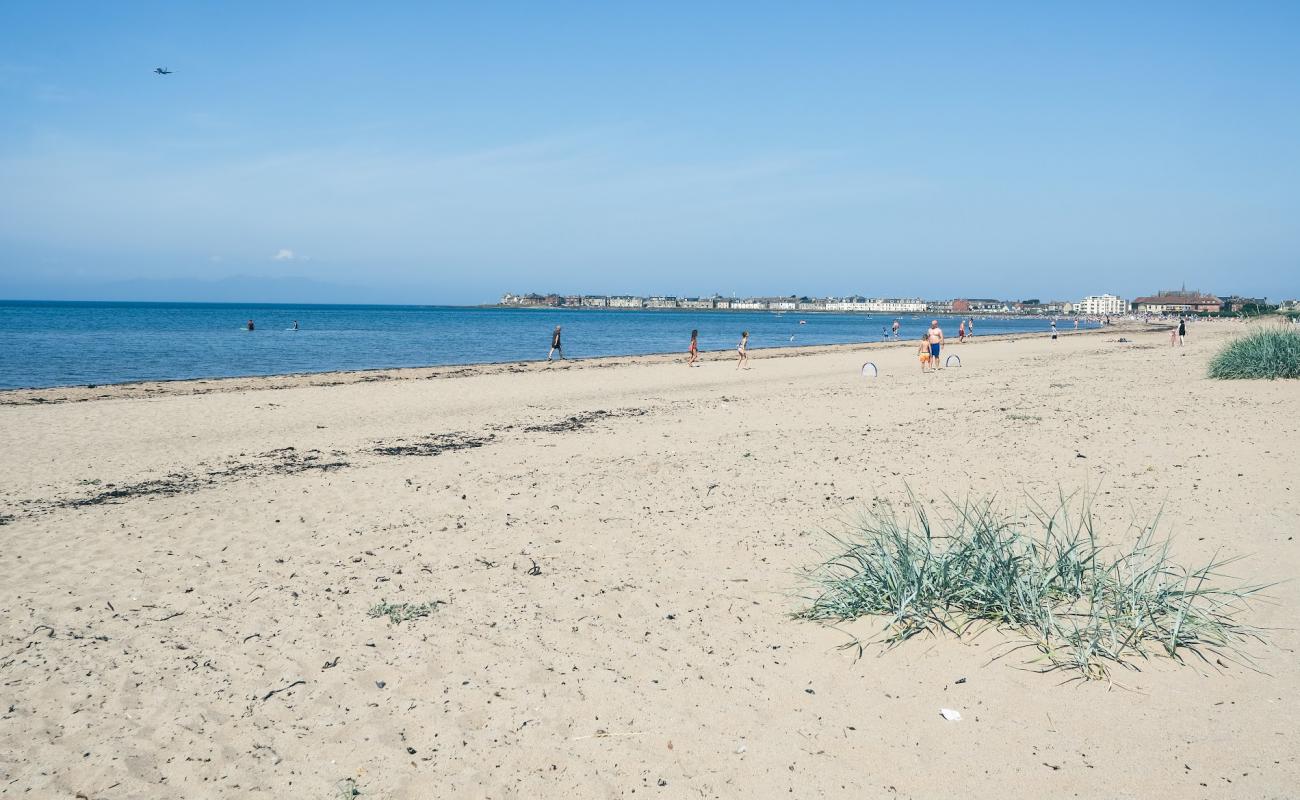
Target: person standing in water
pixel 935 338
pixel 895 329
pixel 694 352
pixel 295 324
pixel 742 350
pixel 250 325
pixel 555 345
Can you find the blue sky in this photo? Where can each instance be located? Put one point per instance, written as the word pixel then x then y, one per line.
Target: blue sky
pixel 448 153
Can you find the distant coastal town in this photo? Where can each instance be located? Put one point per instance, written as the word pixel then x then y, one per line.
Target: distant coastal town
pixel 1179 301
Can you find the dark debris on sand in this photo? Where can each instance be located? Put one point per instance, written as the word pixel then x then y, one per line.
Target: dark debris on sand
pixel 433 444
pixel 580 421
pixel 285 461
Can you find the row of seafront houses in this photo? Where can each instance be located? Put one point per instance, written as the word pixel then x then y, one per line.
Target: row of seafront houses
pixel 1101 305
pixel 790 303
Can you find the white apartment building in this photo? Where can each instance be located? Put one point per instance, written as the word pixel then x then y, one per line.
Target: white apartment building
pixel 661 302
pixel 1102 305
pixel 749 305
pixel 896 305
pixel 853 303
pixel 626 301
pixel 594 302
pixel 696 302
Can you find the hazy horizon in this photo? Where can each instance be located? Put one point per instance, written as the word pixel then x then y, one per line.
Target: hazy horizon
pixel 245 289
pixel 455 153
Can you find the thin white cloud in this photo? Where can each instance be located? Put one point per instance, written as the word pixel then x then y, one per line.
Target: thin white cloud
pixel 284 254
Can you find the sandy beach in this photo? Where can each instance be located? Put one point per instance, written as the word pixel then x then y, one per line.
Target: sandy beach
pixel 613 549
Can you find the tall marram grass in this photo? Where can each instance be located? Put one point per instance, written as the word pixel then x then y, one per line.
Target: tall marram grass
pixel 1083 606
pixel 1267 353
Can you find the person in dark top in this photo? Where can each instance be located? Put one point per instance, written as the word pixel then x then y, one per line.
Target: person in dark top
pixel 555 345
pixel 1182 330
pixel 250 325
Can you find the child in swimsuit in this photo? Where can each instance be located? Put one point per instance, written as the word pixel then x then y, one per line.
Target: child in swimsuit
pixel 924 352
pixel 695 349
pixel 742 350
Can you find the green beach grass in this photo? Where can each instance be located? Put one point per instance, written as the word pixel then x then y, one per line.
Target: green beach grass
pixel 1083 606
pixel 398 613
pixel 1270 353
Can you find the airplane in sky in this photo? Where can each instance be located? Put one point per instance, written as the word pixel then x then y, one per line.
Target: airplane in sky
pixel 162 71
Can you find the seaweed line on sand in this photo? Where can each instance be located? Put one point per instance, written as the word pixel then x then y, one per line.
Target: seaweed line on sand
pixel 285 461
pixel 432 444
pixel 580 421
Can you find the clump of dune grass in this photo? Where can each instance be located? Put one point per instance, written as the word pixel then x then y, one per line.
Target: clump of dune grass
pixel 1267 353
pixel 398 613
pixel 1085 607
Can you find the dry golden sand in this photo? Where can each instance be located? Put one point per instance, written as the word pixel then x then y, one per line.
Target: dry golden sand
pixel 141 638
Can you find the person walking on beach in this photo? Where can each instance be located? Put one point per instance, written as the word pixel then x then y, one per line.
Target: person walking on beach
pixel 1076 326
pixel 555 344
pixel 1182 330
pixel 961 331
pixel 1053 330
pixel 970 327
pixel 693 354
pixel 935 338
pixel 923 351
pixel 742 350
pixel 895 329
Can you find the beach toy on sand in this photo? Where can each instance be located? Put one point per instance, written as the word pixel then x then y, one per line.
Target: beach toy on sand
pixel 949 714
pixel 947 362
pixel 869 370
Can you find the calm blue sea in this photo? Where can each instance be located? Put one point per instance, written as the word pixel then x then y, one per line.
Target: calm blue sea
pixel 60 344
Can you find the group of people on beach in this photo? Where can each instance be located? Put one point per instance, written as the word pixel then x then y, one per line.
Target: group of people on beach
pixel 965 328
pixel 932 345
pixel 932 342
pixel 742 350
pixel 692 352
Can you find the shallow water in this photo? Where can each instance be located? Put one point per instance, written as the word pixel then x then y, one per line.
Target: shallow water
pixel 59 344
